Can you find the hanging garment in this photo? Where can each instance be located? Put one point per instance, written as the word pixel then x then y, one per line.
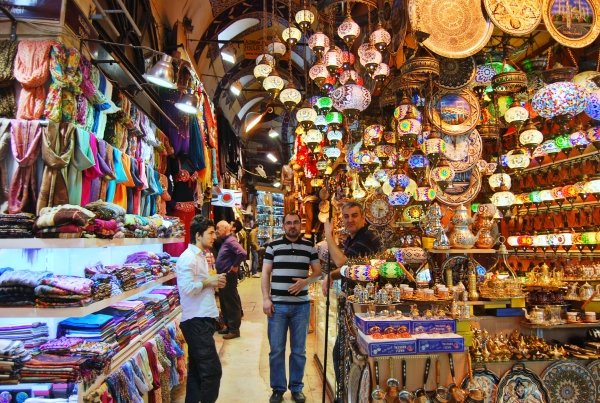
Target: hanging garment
pixel 83 158
pixel 4 146
pixel 90 174
pixel 120 175
pixel 61 103
pixel 8 50
pixel 180 135
pixel 120 197
pixel 165 196
pixel 57 150
pixel 196 153
pixel 107 166
pixel 25 146
pixel 31 70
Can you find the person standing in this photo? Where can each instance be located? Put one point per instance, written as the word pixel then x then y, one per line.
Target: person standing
pixel 254 247
pixel 284 283
pixel 199 310
pixel 231 255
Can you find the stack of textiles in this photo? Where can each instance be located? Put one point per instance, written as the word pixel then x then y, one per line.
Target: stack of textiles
pixel 109 219
pixel 93 327
pixel 17 287
pixel 122 331
pixel 174 228
pixel 13 356
pixel 139 312
pixel 62 291
pixel 171 293
pixel 53 368
pixel 98 269
pixel 139 271
pixel 149 308
pixel 159 263
pixel 160 304
pixel 136 226
pixel 16 225
pixel 124 274
pixel 102 286
pixel 66 221
pixel 32 335
pixel 129 312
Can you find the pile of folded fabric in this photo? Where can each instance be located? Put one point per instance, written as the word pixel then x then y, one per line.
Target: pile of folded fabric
pixel 159 263
pixel 142 275
pixel 125 275
pixel 136 226
pixel 174 228
pixel 160 304
pixel 17 287
pixel 104 277
pixel 101 286
pixel 66 221
pixel 16 225
pixel 131 312
pixel 32 335
pixel 63 291
pixel 170 292
pixel 109 219
pixel 52 368
pixel 93 327
pixel 13 356
pixel 122 331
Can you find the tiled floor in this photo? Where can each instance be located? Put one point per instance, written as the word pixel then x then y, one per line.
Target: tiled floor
pixel 246 360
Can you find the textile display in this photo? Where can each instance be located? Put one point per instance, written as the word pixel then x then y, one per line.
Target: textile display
pixel 61 102
pixel 8 51
pixel 32 71
pixel 25 141
pixel 4 146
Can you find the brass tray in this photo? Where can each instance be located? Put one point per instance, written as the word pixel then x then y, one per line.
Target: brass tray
pixel 457 28
pixel 515 17
pixel 456 73
pixel 571 32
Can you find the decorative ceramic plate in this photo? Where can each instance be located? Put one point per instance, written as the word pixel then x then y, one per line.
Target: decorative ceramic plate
pixel 522 385
pixel 465 187
pixel 515 17
pixel 457 28
pixel 485 380
pixel 364 389
pixel 456 73
pixel 594 368
pixel 572 23
pixel 463 151
pixel 569 382
pixel 353 383
pixel 453 112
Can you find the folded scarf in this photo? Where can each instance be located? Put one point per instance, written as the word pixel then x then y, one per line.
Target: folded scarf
pixel 62 215
pixel 4 146
pixel 83 158
pixel 31 70
pixel 27 278
pixel 74 284
pixel 61 104
pixel 25 140
pixel 8 50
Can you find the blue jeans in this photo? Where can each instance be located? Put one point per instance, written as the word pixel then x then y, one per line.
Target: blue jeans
pixel 254 261
pixel 296 318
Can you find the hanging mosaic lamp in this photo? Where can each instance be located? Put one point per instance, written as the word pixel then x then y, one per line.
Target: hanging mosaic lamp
pixel 417 163
pixel 312 138
pixel 348 31
pixel 382 72
pixel 516 115
pixel 550 148
pixel 499 181
pixel 593 106
pixel 442 174
pixel 399 198
pixel 334 120
pixel 408 129
pixel 273 84
pixel 531 137
pixel 333 153
pixel 334 136
pixel 262 70
pixel 350 74
pixel 290 97
pixel 306 117
pixel 270 60
pixel 276 48
pixel 348 60
pixel 503 201
pixel 578 139
pixel 593 187
pixel 384 152
pixel 318 73
pixel 321 124
pixel 304 19
pixel 291 35
pixel 333 60
pixel 434 147
pixel 425 195
pixel 318 42
pixel 351 99
pixel 593 135
pixel 561 98
pixel 518 160
pixel 380 38
pixel 370 59
pixel 372 135
pixel 323 105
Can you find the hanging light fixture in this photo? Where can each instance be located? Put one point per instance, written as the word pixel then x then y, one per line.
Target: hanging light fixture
pixel 516 115
pixel 312 138
pixel 380 38
pixel 370 59
pixel 290 97
pixel 334 136
pixel 273 84
pixel 408 129
pixel 228 53
pixel 531 137
pixel 323 105
pixel 351 99
pixel 276 47
pixel 333 59
pixel 318 42
pixel 333 153
pixel 518 160
pixel 350 74
pixel 273 133
pixel 578 139
pixel 434 147
pixel 262 71
pixel 162 73
pixel 318 73
pixel 381 73
pixel 188 102
pixel 348 30
pixel 443 174
pixel 321 124
pixel 306 116
pixel 304 18
pixel 236 88
pixel 334 120
pixel 347 59
pixel 291 35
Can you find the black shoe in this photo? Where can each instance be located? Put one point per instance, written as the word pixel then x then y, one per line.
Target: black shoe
pixel 224 331
pixel 298 397
pixel 276 397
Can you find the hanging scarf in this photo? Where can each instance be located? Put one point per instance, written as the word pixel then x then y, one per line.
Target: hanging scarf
pixel 4 146
pixel 61 104
pixel 8 50
pixel 31 70
pixel 90 174
pixel 57 150
pixel 196 148
pixel 25 141
pixel 83 158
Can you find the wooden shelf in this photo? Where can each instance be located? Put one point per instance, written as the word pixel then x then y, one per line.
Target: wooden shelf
pixel 29 312
pixel 48 243
pixel 581 325
pixel 474 251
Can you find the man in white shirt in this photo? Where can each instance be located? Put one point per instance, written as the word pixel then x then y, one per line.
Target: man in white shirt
pixel 197 295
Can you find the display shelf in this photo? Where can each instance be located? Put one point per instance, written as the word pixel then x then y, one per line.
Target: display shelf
pixel 581 279
pixel 41 243
pixel 29 312
pixel 559 162
pixel 461 250
pixel 580 325
pixel 551 252
pixel 533 210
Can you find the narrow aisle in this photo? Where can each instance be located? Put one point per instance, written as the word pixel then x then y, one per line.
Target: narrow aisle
pixel 245 360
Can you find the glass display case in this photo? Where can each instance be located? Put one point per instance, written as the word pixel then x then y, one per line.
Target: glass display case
pixel 269 216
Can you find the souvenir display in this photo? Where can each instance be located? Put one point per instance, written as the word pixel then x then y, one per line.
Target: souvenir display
pixel 463 151
pixel 594 368
pixel 569 382
pixel 456 73
pixel 515 18
pixel 572 23
pixel 465 187
pixel 485 380
pixel 378 210
pixel 453 112
pixel 520 384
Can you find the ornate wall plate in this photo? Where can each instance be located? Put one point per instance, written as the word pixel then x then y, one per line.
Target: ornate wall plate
pixel 514 17
pixel 457 28
pixel 456 73
pixel 453 112
pixel 463 151
pixel 465 187
pixel 378 210
pixel 364 389
pixel 569 382
pixel 594 368
pixel 522 385
pixel 485 380
pixel 572 23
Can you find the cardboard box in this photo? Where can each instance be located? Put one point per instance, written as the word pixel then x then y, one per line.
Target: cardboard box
pixel 386 347
pixel 434 326
pixel 443 343
pixel 364 323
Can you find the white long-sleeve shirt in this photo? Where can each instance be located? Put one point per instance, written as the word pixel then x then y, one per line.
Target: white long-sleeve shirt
pixel 196 300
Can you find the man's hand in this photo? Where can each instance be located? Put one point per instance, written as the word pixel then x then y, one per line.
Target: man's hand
pixel 268 307
pixel 328 227
pixel 325 286
pixel 215 281
pixel 298 286
pixel 234 269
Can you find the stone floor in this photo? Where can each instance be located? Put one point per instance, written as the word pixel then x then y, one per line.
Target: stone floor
pixel 246 360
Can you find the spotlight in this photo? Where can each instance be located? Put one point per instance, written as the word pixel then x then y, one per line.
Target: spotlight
pixel 228 54
pixel 271 157
pixel 162 73
pixel 273 133
pixel 236 88
pixel 188 102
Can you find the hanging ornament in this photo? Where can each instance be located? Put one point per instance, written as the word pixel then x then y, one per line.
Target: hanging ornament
pixel 333 60
pixel 273 84
pixel 318 73
pixel 442 174
pixel 291 35
pixel 318 42
pixel 351 99
pixel 306 117
pixel 348 30
pixel 304 19
pixel 321 124
pixel 370 59
pixel 380 38
pixel 290 97
pixel 381 73
pixel 516 115
pixel 531 137
pixel 434 147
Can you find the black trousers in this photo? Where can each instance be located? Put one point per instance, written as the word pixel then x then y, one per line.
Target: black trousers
pixel 231 304
pixel 204 366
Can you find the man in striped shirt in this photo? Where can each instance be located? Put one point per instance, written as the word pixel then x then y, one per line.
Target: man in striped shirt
pixel 284 283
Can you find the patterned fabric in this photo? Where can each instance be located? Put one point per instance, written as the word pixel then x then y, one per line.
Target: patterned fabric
pixel 25 141
pixel 60 345
pixel 31 70
pixel 4 146
pixel 74 284
pixel 83 158
pixel 61 103
pixel 8 50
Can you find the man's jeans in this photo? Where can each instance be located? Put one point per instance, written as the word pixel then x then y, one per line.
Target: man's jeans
pixel 204 368
pixel 296 319
pixel 254 261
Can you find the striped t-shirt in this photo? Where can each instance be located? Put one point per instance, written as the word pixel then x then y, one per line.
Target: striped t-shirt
pixel 290 260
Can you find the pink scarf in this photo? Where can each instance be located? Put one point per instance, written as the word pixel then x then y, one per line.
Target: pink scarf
pixel 31 70
pixel 91 173
pixel 25 145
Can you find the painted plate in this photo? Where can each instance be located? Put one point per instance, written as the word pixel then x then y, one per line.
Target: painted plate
pixel 514 17
pixel 485 380
pixel 364 389
pixel 572 23
pixel 594 368
pixel 457 28
pixel 522 385
pixel 463 151
pixel 465 187
pixel 453 112
pixel 456 73
pixel 569 382
pixel 353 383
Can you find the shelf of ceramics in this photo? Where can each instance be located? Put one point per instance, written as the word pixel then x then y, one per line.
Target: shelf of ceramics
pixel 473 251
pixel 551 252
pixel 68 312
pixel 128 351
pixel 40 243
pixel 490 302
pixel 559 162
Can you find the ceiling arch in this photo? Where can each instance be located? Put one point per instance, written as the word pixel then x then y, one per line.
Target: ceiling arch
pixel 236 28
pixel 249 104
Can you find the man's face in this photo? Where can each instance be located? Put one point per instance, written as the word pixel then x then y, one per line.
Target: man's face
pixel 222 231
pixel 207 239
pixel 353 220
pixel 291 226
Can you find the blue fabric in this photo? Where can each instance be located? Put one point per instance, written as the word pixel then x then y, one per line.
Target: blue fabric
pixel 295 318
pixel 196 152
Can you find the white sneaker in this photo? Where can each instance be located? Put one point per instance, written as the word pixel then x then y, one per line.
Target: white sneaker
pixel 257 275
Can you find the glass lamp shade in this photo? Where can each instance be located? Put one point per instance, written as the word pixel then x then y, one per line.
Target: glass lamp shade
pixel 334 136
pixel 568 239
pixel 579 140
pixel 276 48
pixel 384 152
pixel 351 99
pixel 290 97
pixel 304 19
pixel 318 42
pixel 333 59
pixel 541 241
pixel 549 147
pixel 273 84
pixel 512 241
pixel 333 153
pixel 306 117
pixel 334 119
pixel 348 31
pixel 322 165
pixel 358 194
pixel 380 38
pixel 188 102
pixel 434 147
pixel 592 186
pixel 593 135
pixel 425 194
pixel 381 175
pixel 372 135
pixel 499 182
pixel 570 191
pixel 413 214
pixel 381 73
pixel 362 49
pixel 370 59
pixel 516 115
pixel 555 240
pixel 418 161
pixel 291 35
pixel 557 193
pixel 561 98
pixel 546 195
pixel 522 198
pixel 371 182
pixel 503 199
pixel 312 138
pixel 408 130
pixel 581 188
pixel 348 59
pixel 365 157
pixel 534 197
pixel 399 198
pixel 531 138
pixel 442 175
pixel 323 105
pixel 270 60
pixel 589 238
pixel 321 123
pixel 347 75
pixel 262 71
pixel 593 106
pixel 400 112
pixel 318 73
pixel 518 159
pixel 525 241
pixel 399 180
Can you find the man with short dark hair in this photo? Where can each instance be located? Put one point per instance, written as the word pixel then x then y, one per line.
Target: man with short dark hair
pixel 196 291
pixel 285 281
